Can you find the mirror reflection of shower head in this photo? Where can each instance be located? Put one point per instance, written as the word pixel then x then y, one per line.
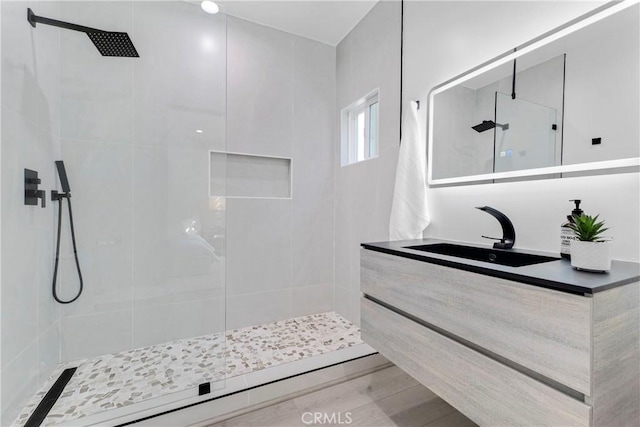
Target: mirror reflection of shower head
pixel 108 43
pixel 62 174
pixel 489 124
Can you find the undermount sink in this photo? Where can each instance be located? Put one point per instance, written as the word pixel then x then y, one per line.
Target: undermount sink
pixel 495 256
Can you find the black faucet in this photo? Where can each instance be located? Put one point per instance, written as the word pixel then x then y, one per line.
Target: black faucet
pixel 508 232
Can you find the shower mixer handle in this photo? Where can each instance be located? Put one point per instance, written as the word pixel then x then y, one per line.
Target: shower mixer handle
pixel 35 195
pixel 38 194
pixel 42 195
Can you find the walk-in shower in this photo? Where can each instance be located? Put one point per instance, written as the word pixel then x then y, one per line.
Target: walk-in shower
pixel 200 250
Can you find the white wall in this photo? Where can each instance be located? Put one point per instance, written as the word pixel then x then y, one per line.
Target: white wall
pixel 30 92
pixel 367 58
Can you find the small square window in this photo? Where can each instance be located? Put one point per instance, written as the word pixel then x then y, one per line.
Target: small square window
pixel 360 130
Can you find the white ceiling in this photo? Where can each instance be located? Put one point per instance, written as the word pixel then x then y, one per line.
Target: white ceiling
pixel 327 21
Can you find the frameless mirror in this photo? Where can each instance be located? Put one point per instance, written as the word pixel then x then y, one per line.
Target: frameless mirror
pixel 565 102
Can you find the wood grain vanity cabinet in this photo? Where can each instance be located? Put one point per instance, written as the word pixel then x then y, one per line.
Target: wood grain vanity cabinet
pixel 503 352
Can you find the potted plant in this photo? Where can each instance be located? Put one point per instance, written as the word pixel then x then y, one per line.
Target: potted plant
pixel 590 251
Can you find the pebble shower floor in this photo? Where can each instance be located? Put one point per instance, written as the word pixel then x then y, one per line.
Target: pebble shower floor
pixel 122 379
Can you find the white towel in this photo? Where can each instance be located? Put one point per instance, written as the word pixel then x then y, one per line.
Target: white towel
pixel 409 211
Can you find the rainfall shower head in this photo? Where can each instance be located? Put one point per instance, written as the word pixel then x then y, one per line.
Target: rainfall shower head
pixel 485 125
pixel 111 43
pixel 489 124
pixel 108 43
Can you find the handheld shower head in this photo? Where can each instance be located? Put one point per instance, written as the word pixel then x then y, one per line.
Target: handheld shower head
pixel 58 197
pixel 62 174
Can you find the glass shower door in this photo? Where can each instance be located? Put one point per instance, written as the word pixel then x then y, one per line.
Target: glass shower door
pixel 525 134
pixel 135 135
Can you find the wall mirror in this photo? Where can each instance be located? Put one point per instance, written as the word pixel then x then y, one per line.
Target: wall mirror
pixel 567 102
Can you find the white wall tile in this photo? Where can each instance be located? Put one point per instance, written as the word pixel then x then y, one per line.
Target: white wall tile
pixel 170 194
pixel 164 323
pixel 19 82
pixel 314 97
pixel 341 302
pixel 257 176
pixel 312 300
pixel 344 227
pixel 30 117
pixel 96 92
pixel 30 75
pixel 19 383
pixel 100 176
pixel 354 298
pixel 260 89
pixel 258 308
pixel 345 89
pixel 312 223
pixel 217 174
pixel 376 59
pixel 27 236
pixel 258 245
pixel 48 351
pixel 47 68
pixel 95 334
pixel 194 61
pixel 19 241
pixel 48 310
pixel 287 110
pixel 314 114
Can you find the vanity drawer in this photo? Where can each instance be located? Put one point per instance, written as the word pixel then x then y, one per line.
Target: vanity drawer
pixel 483 389
pixel 540 329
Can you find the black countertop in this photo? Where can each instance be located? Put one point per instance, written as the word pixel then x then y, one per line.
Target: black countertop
pixel 558 275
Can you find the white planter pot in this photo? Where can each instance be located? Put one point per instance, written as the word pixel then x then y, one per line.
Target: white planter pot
pixel 591 256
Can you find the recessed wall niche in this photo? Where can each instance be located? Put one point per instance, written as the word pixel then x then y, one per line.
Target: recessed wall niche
pixel 249 175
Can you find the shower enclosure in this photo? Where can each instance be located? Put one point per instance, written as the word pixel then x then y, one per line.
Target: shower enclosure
pixel 201 178
pixel 135 135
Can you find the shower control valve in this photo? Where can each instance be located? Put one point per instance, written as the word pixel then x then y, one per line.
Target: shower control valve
pixel 31 191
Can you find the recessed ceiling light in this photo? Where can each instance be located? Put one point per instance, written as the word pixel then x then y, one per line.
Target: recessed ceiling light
pixel 199 131
pixel 209 6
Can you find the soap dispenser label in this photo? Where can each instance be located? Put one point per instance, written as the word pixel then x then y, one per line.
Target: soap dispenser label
pixel 566 236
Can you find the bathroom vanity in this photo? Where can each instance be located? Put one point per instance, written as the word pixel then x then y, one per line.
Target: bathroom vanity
pixel 537 344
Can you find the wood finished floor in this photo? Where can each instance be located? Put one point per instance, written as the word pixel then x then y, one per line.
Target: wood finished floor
pixel 385 398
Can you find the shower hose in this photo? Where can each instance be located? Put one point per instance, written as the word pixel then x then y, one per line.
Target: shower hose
pixel 75 252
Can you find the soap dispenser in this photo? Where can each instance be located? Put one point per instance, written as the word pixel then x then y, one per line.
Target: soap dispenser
pixel 566 233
